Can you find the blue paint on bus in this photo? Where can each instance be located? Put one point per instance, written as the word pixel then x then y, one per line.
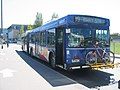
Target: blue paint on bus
pixel 69 39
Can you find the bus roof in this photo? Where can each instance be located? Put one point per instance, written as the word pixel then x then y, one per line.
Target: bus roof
pixel 83 21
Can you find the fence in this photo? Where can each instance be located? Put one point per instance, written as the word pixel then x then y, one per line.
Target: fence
pixel 115 47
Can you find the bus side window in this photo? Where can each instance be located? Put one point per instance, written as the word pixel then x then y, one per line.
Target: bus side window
pixel 32 41
pixel 40 37
pixel 43 40
pixel 51 37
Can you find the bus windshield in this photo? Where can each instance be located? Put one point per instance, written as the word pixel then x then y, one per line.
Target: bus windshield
pixel 86 37
pixel 103 37
pixel 75 37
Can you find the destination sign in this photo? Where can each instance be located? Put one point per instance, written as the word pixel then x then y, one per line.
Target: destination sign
pixel 89 20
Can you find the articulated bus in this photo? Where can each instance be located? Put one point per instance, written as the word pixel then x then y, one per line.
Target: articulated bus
pixel 71 41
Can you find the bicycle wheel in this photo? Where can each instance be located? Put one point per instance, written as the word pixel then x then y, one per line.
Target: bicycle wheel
pixel 91 57
pixel 109 57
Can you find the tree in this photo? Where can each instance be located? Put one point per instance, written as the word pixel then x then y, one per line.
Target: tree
pixel 39 20
pixel 54 16
pixel 30 27
pixel 115 35
pixel 21 30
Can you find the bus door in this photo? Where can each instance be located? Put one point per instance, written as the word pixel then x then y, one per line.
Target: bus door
pixel 59 46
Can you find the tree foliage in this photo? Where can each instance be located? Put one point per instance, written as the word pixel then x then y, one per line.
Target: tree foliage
pixel 115 35
pixel 30 27
pixel 21 30
pixel 39 20
pixel 54 16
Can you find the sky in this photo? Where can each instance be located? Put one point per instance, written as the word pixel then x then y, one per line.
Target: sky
pixel 24 11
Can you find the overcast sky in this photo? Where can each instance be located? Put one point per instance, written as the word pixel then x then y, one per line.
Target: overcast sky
pixel 24 11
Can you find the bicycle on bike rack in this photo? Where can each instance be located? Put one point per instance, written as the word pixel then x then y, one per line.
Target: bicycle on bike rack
pixel 99 55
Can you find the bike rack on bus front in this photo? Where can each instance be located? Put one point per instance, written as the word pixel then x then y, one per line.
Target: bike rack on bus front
pixel 104 66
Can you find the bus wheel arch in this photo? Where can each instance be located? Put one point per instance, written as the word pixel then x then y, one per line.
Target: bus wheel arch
pixel 52 60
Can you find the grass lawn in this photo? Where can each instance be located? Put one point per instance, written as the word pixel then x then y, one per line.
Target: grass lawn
pixel 115 47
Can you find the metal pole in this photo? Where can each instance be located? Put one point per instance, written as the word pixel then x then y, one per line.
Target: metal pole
pixel 1 24
pixel 7 41
pixel 1 18
pixel 114 46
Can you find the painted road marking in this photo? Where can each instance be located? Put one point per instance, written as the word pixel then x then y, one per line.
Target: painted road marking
pixel 7 72
pixel 2 53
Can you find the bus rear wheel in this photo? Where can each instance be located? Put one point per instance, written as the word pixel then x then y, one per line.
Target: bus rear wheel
pixel 31 52
pixel 22 47
pixel 52 60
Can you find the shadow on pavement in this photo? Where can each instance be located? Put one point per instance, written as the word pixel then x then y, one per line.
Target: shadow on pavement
pixel 53 77
pixel 87 77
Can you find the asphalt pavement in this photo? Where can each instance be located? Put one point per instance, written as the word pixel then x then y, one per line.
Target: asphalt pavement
pixel 18 71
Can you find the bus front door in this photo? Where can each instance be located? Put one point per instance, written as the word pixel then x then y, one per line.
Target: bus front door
pixel 59 46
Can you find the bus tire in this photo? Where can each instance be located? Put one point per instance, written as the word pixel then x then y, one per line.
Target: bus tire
pixel 52 60
pixel 22 47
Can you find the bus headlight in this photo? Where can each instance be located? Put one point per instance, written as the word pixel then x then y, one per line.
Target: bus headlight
pixel 76 59
pixel 68 52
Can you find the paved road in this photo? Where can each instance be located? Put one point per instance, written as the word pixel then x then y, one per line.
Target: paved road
pixel 18 71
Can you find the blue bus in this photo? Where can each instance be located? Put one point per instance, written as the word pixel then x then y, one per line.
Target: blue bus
pixel 71 41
